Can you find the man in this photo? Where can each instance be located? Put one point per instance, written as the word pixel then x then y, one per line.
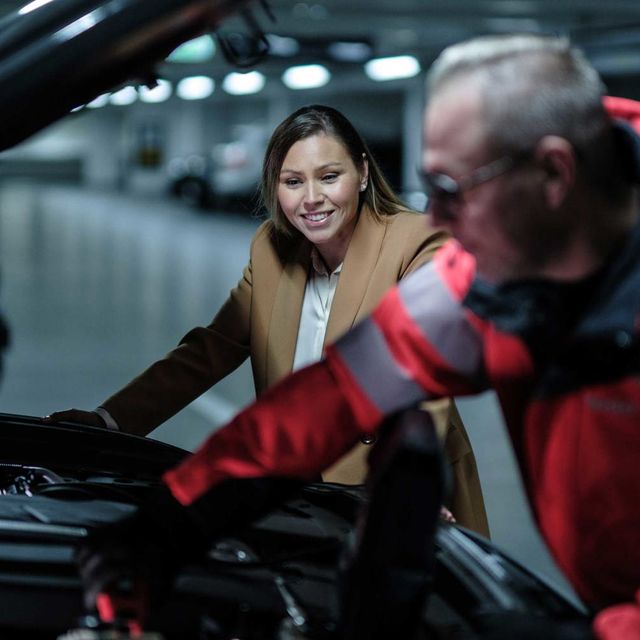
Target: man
pixel 538 297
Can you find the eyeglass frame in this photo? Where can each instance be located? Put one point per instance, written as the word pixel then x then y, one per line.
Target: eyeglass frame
pixel 440 186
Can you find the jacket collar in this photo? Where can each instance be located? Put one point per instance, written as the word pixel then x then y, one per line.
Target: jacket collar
pixel 359 262
pixel 360 259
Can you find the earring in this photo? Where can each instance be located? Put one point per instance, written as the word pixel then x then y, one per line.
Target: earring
pixel 363 186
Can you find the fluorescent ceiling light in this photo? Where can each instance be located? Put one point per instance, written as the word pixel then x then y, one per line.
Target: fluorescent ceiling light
pixel 281 46
pixel 32 6
pixel 308 76
pixel 195 88
pixel 159 93
pixel 197 50
pixel 392 68
pixel 349 51
pixel 100 101
pixel 240 84
pixel 126 95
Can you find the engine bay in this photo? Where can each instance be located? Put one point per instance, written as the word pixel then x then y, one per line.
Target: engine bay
pixel 281 577
pixel 279 570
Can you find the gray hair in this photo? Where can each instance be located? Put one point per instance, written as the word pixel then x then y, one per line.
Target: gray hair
pixel 530 86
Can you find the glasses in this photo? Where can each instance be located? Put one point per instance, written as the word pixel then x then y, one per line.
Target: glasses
pixel 439 186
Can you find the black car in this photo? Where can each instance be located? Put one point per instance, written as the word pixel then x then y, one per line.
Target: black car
pixel 295 573
pixel 328 562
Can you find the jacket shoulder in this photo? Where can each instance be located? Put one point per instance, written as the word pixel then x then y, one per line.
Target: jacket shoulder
pixel 412 225
pixel 413 237
pixel 264 234
pixel 268 244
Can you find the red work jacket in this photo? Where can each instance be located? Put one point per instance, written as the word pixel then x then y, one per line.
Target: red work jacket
pixel 570 395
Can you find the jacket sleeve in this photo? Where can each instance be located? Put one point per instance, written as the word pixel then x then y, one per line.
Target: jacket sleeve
pixel 204 356
pixel 304 423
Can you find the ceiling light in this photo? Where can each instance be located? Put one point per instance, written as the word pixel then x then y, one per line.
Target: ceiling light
pixel 308 76
pixel 349 51
pixel 195 88
pixel 126 95
pixel 100 101
pixel 281 46
pixel 239 84
pixel 159 93
pixel 197 50
pixel 392 68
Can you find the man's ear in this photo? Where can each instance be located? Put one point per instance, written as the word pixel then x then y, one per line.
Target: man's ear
pixel 557 158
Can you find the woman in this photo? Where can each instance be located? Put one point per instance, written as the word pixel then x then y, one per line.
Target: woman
pixel 337 239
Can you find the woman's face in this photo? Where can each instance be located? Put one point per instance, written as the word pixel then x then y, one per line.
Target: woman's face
pixel 318 189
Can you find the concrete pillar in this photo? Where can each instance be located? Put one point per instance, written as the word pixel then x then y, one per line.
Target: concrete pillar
pixel 414 100
pixel 186 128
pixel 101 147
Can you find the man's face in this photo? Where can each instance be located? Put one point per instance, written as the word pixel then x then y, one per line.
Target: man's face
pixel 492 220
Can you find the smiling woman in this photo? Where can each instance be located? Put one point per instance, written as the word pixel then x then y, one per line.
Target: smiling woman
pixel 338 238
pixel 319 194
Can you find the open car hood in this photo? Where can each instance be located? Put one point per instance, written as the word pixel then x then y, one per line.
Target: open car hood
pixel 58 482
pixel 61 54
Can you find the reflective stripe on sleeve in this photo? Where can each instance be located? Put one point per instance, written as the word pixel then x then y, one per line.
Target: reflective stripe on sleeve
pixel 443 321
pixel 389 387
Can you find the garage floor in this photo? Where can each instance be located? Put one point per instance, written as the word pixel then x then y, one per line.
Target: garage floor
pixel 96 286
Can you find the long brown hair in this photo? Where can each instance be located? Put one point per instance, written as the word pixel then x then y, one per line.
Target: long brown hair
pixel 312 120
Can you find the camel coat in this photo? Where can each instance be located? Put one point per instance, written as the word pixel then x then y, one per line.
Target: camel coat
pixel 260 320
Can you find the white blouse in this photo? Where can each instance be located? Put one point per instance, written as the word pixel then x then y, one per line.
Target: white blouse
pixel 316 306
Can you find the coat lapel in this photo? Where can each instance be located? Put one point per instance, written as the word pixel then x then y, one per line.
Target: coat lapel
pixel 357 269
pixel 285 316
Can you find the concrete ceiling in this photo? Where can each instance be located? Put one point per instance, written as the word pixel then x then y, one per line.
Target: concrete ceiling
pixel 424 27
pixel 609 30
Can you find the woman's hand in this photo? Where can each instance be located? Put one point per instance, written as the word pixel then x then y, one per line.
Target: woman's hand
pixel 446 515
pixel 79 416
